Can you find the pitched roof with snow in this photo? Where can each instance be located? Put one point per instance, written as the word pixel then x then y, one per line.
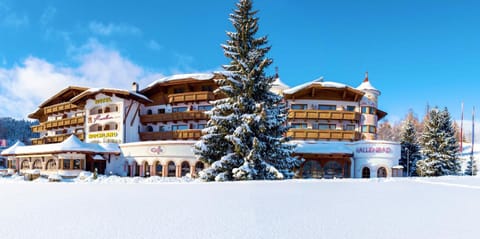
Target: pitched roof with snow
pixel 318 82
pixel 71 144
pixel 181 77
pixel 119 92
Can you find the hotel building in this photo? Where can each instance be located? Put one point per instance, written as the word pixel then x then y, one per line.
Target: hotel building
pixel 152 131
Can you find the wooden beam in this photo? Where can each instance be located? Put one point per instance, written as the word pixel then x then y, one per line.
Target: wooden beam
pixel 128 111
pixel 135 115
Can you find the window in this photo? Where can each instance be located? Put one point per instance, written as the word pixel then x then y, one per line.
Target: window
pixel 77 164
pixel 171 169
pixel 350 127
pixel 13 164
pixel 179 109
pixel 350 108
pixel 365 172
pixel 185 168
pixel 364 128
pixel 299 125
pixel 66 164
pixel 25 164
pixel 327 126
pixel 199 167
pixel 201 126
pixel 149 112
pixel 99 128
pixel 368 110
pixel 333 169
pixel 37 164
pixel 107 110
pixel 51 164
pixel 204 107
pixel 327 107
pixel 161 128
pixel 161 111
pixel 158 169
pixel 106 127
pixel 369 129
pixel 180 127
pixel 312 169
pixel 382 172
pixel 178 90
pixel 207 88
pixel 298 107
pixel 149 128
pixel 99 111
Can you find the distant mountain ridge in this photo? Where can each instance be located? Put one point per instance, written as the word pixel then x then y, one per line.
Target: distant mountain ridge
pixel 13 130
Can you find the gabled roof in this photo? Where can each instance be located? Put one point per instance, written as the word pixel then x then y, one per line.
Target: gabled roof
pixel 181 79
pixel 71 144
pixel 63 95
pixel 119 92
pixel 320 89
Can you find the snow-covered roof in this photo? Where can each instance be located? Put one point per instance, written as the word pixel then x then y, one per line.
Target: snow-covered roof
pixel 320 82
pixel 366 85
pixel 92 91
pixel 71 144
pixel 11 149
pixel 278 86
pixel 195 76
pixel 314 147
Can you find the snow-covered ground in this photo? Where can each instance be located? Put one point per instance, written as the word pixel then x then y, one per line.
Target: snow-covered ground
pixel 445 207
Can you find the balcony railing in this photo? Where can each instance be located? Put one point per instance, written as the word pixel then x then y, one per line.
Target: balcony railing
pixel 177 116
pixel 56 138
pixel 38 128
pixel 191 96
pixel 323 115
pixel 171 135
pixel 59 108
pixel 315 134
pixel 64 122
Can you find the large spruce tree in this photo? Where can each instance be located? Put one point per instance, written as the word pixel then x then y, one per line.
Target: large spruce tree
pixel 439 146
pixel 410 149
pixel 244 138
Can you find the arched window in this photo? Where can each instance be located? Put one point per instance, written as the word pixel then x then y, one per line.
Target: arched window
pixel 146 170
pixel 365 172
pixel 312 169
pixel 149 128
pixel 37 164
pixel 99 111
pixel 382 172
pixel 333 169
pixel 199 166
pixel 107 110
pixel 159 169
pixel 51 165
pixel 171 169
pixel 106 127
pixel 25 164
pixel 185 168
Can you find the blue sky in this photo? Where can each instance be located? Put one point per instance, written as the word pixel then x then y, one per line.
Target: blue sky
pixel 416 52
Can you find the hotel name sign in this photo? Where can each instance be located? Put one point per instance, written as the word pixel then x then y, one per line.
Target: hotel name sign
pixel 102 135
pixel 103 100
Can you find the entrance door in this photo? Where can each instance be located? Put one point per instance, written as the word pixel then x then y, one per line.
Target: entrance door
pixel 100 165
pixel 382 172
pixel 365 172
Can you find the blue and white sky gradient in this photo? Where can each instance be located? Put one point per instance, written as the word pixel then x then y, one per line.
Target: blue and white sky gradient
pixel 416 52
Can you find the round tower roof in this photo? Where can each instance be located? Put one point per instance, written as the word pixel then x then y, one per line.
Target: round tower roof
pixel 367 86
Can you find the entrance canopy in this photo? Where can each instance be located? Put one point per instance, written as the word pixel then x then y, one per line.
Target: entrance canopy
pixel 70 145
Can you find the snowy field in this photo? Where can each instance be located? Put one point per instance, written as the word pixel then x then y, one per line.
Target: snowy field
pixel 446 207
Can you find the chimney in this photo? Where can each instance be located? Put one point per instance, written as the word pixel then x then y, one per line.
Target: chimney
pixel 135 87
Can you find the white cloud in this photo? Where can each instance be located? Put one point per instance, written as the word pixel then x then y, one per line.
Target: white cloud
pixel 10 18
pixel 23 87
pixel 111 29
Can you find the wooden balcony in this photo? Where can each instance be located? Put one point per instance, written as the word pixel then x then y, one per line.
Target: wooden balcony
pixel 64 122
pixel 59 108
pixel 315 134
pixel 38 128
pixel 56 138
pixel 191 96
pixel 323 115
pixel 177 116
pixel 172 135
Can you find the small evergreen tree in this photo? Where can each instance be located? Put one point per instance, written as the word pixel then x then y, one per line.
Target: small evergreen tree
pixel 471 169
pixel 439 146
pixel 410 149
pixel 244 138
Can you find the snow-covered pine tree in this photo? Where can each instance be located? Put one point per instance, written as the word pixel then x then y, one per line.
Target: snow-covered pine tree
pixel 439 146
pixel 410 149
pixel 244 138
pixel 471 162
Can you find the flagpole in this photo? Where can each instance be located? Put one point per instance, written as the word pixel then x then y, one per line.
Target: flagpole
pixel 473 138
pixel 461 132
